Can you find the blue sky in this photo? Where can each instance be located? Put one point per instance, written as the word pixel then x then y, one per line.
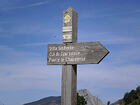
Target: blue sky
pixel 27 26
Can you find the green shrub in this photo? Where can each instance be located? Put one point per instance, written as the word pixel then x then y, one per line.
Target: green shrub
pixel 81 100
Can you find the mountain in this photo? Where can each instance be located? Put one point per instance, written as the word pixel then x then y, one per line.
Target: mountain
pixel 91 100
pixel 47 101
pixel 130 98
pixel 119 102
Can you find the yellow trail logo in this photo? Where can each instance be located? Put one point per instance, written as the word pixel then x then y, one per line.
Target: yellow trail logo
pixel 67 19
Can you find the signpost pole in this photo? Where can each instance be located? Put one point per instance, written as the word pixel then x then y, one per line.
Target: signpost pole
pixel 69 72
pixel 69 85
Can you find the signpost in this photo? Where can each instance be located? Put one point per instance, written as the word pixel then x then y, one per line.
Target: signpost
pixel 71 53
pixel 76 53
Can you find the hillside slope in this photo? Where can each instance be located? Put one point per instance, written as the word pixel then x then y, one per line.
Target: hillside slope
pixel 47 101
pixel 131 98
pixel 91 100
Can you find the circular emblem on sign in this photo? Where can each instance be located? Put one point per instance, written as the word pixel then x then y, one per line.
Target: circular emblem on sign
pixel 67 19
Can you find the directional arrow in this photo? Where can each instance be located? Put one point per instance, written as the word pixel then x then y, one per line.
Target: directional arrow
pixel 76 53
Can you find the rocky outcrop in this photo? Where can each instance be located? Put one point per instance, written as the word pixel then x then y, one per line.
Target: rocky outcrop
pixel 91 100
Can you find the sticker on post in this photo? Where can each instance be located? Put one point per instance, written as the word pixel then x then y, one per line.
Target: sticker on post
pixel 67 37
pixel 67 19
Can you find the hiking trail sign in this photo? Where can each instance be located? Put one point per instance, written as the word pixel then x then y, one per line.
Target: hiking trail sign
pixel 71 53
pixel 76 53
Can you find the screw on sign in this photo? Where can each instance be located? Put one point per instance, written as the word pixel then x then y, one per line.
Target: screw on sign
pixel 71 53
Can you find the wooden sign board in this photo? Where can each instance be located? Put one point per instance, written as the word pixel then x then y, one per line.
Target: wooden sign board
pixel 76 53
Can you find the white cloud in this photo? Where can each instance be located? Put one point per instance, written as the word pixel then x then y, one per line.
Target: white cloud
pixel 113 39
pixel 107 76
pixel 12 52
pixel 38 3
pixel 25 70
pixel 108 37
pixel 38 43
pixel 4 48
pixel 108 81
pixel 31 29
pixel 109 13
pixel 29 75
pixel 35 44
pixel 25 6
pixel 128 54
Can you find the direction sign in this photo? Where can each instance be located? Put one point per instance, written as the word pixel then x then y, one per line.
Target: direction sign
pixel 71 53
pixel 76 53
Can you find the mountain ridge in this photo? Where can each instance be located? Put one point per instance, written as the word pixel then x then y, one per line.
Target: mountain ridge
pixel 130 98
pixel 56 100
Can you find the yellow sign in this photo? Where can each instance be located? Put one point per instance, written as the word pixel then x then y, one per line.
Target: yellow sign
pixel 67 19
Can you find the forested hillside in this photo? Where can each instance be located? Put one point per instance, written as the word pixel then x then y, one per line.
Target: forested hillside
pixel 130 98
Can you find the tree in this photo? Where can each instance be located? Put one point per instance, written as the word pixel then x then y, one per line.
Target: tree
pixel 133 97
pixel 108 103
pixel 81 100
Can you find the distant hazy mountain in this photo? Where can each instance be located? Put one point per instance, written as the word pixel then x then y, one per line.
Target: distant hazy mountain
pixel 91 100
pixel 47 101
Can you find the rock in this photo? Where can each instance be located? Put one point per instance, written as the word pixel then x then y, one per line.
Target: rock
pixel 91 100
